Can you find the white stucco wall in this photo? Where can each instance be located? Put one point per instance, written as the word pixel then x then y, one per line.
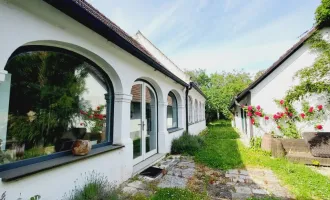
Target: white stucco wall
pixel 275 86
pixel 161 57
pixel 44 25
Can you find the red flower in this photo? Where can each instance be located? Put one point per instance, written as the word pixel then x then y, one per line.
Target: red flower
pixel 82 124
pixel 83 112
pixel 320 107
pixel 91 116
pixel 311 109
pixel 282 102
pixel 319 127
pixel 249 114
pixel 252 121
pixel 302 115
pixel 279 127
pixel 98 107
pixel 266 118
pixel 249 108
pixel 286 108
pixel 290 114
pixel 258 107
pixel 275 116
pixel 258 113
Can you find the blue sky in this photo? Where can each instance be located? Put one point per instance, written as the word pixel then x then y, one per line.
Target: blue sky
pixel 215 35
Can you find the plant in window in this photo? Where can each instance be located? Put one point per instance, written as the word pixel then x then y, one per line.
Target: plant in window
pixel 94 119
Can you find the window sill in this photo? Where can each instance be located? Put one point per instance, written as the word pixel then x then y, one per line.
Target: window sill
pixel 19 172
pixel 171 130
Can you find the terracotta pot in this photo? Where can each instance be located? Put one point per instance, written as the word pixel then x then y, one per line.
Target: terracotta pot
pixel 81 147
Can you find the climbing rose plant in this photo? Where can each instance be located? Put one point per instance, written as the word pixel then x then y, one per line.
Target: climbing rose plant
pixel 93 118
pixel 285 119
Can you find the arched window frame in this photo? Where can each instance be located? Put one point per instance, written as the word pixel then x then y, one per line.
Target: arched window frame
pixel 196 111
pixel 109 115
pixel 174 108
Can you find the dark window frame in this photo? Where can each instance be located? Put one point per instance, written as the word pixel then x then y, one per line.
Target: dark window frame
pixel 172 95
pixel 109 108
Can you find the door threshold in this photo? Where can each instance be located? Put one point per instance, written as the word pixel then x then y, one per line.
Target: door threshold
pixel 147 163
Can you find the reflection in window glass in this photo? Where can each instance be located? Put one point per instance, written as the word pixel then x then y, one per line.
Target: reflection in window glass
pixel 55 99
pixel 172 111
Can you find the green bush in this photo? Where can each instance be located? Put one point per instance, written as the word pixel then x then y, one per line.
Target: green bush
pixel 187 144
pixel 96 187
pixel 177 194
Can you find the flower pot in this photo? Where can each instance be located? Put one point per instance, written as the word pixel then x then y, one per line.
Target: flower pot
pixel 81 147
pixel 318 143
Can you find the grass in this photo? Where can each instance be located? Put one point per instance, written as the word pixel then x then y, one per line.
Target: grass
pixel 177 194
pixel 224 151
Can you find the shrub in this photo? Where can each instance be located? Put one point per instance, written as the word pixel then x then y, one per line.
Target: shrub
pixel 187 144
pixel 176 194
pixel 96 187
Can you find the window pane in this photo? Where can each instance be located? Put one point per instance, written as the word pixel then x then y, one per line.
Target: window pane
pixel 172 111
pixel 136 119
pixel 55 99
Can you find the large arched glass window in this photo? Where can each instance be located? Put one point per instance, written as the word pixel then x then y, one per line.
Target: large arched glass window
pixel 172 111
pixel 55 99
pixel 190 111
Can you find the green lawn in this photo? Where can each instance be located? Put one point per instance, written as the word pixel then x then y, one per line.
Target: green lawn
pixel 224 151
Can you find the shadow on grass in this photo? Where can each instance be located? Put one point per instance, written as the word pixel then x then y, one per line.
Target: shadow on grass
pixel 223 151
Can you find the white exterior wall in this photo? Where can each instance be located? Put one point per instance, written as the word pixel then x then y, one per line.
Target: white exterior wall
pixel 35 22
pixel 276 84
pixel 161 57
pixel 198 125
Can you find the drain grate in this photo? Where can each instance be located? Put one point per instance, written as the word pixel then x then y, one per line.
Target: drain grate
pixel 151 172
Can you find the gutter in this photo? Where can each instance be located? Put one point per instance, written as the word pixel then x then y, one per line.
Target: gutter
pixel 187 106
pixel 86 16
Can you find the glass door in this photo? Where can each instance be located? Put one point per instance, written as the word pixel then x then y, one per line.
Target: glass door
pixel 143 121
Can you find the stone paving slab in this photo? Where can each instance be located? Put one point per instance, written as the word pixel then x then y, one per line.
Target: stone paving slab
pixel 235 184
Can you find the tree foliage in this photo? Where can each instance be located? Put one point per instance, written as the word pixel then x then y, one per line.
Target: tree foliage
pixel 314 79
pixel 220 88
pixel 322 13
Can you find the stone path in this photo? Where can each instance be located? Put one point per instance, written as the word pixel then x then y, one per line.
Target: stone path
pixel 181 172
pixel 325 171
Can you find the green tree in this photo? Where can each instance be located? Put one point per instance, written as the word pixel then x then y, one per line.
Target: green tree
pixel 258 74
pixel 50 85
pixel 322 13
pixel 220 88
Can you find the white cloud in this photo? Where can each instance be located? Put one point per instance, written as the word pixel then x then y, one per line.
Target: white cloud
pixel 163 20
pixel 255 50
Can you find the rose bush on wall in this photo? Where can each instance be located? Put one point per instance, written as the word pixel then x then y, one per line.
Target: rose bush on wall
pixel 287 117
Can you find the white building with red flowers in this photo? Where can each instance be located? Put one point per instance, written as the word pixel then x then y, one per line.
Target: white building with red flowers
pixel 69 74
pixel 261 108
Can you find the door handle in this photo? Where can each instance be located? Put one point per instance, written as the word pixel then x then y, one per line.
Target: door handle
pixel 142 125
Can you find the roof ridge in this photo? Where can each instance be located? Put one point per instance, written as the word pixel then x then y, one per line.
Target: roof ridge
pixel 139 32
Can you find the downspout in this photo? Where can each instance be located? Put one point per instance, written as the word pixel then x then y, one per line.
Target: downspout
pixel 187 106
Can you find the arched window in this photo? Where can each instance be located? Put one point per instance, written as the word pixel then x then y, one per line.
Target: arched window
pixel 172 111
pixel 196 111
pixel 200 111
pixel 55 99
pixel 190 111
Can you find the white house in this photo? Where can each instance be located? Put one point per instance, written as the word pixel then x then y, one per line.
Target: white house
pixel 133 100
pixel 274 84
